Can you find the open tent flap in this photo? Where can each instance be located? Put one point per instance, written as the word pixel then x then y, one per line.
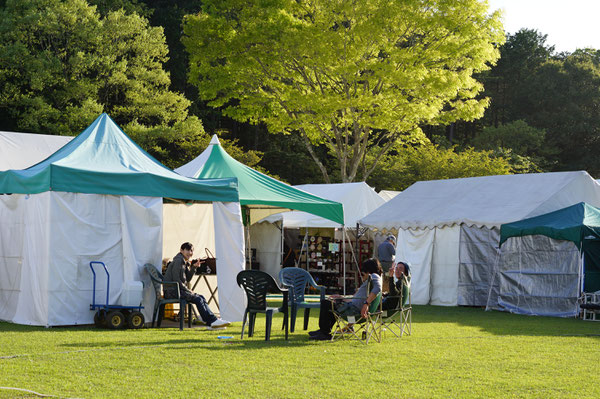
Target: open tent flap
pixel 51 281
pixel 218 228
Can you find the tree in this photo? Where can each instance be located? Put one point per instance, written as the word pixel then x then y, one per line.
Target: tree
pixel 352 76
pixel 62 64
pixel 522 54
pixel 406 165
pixel 563 98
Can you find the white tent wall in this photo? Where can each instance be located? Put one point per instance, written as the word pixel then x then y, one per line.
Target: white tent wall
pixel 478 254
pixel 58 234
pixel 266 238
pixel 188 222
pixel 229 251
pixel 433 258
pixel 218 228
pixel 416 247
pixel 23 219
pixel 537 275
pixel 444 266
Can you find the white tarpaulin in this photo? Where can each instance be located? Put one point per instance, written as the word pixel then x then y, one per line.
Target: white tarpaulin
pixel 450 262
pixel 21 150
pixel 47 263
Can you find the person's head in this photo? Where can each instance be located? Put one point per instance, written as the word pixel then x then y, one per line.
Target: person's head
pixel 391 238
pixel 371 266
pixel 401 268
pixel 187 250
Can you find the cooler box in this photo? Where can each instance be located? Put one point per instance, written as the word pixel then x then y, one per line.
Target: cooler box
pixel 132 293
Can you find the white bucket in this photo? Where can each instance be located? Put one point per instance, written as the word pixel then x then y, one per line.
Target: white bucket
pixel 132 293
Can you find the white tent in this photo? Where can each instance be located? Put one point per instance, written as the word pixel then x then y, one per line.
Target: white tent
pixel 98 198
pixel 388 194
pixel 21 150
pixel 449 229
pixel 358 199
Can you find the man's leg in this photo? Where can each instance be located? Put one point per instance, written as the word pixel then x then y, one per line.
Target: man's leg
pixel 206 314
pixel 326 318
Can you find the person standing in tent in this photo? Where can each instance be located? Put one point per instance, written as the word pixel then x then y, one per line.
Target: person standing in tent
pixel 386 252
pixel 181 270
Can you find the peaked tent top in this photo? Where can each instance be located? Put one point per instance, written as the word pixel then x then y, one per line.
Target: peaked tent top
pixel 256 188
pixel 572 223
pixel 104 160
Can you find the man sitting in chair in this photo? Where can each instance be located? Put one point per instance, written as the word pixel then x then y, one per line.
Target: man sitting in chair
pixel 399 277
pixel 181 271
pixel 358 305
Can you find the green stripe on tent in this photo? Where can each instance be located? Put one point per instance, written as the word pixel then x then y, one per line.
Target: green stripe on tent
pixel 256 188
pixel 104 160
pixel 572 224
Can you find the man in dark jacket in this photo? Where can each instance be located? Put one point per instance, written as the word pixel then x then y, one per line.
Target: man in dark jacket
pixel 181 271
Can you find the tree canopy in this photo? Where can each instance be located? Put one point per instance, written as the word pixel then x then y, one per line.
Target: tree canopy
pixel 351 75
pixel 62 64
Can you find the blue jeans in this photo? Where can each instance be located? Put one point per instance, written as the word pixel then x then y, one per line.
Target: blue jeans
pixel 206 314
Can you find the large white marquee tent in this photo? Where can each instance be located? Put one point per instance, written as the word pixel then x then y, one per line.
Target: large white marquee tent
pixel 449 229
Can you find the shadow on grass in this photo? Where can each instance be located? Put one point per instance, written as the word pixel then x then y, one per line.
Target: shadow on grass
pixel 503 323
pixel 494 322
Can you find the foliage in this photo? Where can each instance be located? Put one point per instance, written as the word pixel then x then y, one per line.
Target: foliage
pixel 409 164
pixel 452 352
pixel 563 97
pixel 62 64
pixel 348 75
pixel 522 54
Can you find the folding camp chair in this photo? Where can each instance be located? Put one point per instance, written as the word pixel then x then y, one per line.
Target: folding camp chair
pixel 356 326
pixel 398 318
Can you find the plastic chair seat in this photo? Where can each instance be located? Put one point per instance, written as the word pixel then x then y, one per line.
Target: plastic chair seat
pixel 296 280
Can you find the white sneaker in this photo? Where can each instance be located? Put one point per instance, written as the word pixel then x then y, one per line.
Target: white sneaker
pixel 220 323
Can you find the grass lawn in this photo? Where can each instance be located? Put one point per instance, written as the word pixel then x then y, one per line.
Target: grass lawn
pixel 453 352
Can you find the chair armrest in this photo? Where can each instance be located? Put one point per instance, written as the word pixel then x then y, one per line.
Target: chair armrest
pixel 176 284
pixel 285 293
pixel 314 284
pixel 322 289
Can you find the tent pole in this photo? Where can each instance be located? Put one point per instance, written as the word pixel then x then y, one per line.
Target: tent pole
pixel 281 254
pixel 344 258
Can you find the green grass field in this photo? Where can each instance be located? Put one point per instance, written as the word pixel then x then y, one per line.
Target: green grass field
pixel 453 353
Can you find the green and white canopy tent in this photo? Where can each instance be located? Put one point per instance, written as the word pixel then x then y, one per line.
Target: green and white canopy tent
pixel 547 261
pixel 98 198
pixel 260 195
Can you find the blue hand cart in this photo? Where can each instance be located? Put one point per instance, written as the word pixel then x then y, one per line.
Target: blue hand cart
pixel 114 316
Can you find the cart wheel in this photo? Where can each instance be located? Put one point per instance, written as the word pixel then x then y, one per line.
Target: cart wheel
pixel 135 320
pixel 99 317
pixel 115 320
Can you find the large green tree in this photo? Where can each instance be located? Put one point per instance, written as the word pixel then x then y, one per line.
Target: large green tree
pixel 349 75
pixel 62 63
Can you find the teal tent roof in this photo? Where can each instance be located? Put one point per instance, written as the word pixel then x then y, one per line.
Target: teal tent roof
pixel 256 188
pixel 572 223
pixel 104 160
